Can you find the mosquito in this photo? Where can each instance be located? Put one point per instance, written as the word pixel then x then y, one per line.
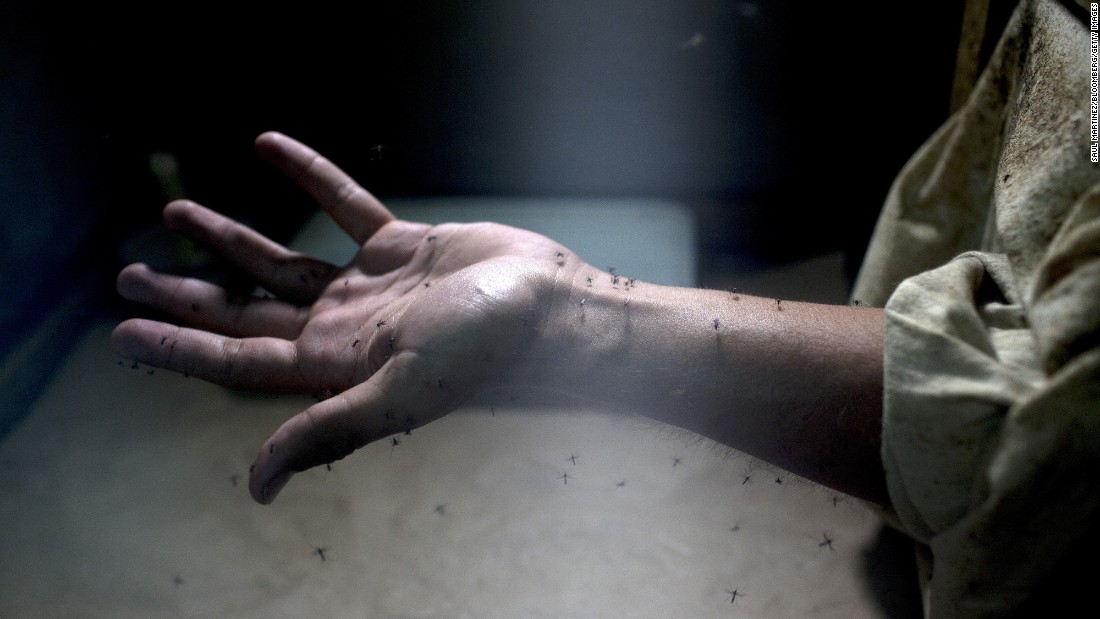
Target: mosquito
pixel 573 459
pixel 675 462
pixel 440 509
pixel 734 594
pixel 320 552
pixel 827 541
pixel 565 479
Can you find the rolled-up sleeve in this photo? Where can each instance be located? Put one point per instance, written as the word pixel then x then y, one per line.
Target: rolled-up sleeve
pixel 987 261
pixel 991 462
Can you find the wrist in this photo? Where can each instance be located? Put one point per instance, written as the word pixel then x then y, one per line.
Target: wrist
pixel 560 341
pixel 598 341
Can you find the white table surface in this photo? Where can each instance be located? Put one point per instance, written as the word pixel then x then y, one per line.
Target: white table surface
pixel 123 494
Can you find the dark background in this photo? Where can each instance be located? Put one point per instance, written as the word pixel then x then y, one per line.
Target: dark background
pixel 781 126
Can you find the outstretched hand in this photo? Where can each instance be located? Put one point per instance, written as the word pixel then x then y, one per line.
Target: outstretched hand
pixel 422 319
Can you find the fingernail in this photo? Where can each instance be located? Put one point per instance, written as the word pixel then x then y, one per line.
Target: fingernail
pixel 273 486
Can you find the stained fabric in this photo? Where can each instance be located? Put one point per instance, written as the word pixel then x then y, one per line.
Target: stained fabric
pixel 987 260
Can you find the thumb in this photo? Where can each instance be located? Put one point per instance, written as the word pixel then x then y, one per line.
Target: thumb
pixel 389 402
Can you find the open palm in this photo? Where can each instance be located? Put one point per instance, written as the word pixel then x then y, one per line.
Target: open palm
pixel 421 319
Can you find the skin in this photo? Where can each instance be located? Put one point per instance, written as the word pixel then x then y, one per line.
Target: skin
pixel 473 308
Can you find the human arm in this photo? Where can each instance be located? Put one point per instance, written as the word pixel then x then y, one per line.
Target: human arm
pixel 425 318
pixel 798 385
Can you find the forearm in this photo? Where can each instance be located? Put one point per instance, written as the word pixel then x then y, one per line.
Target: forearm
pixel 795 384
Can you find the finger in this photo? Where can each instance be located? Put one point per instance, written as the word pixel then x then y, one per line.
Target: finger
pixel 353 208
pixel 210 307
pixel 291 275
pixel 253 364
pixel 387 403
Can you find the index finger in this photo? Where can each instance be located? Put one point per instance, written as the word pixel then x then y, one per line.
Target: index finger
pixel 353 208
